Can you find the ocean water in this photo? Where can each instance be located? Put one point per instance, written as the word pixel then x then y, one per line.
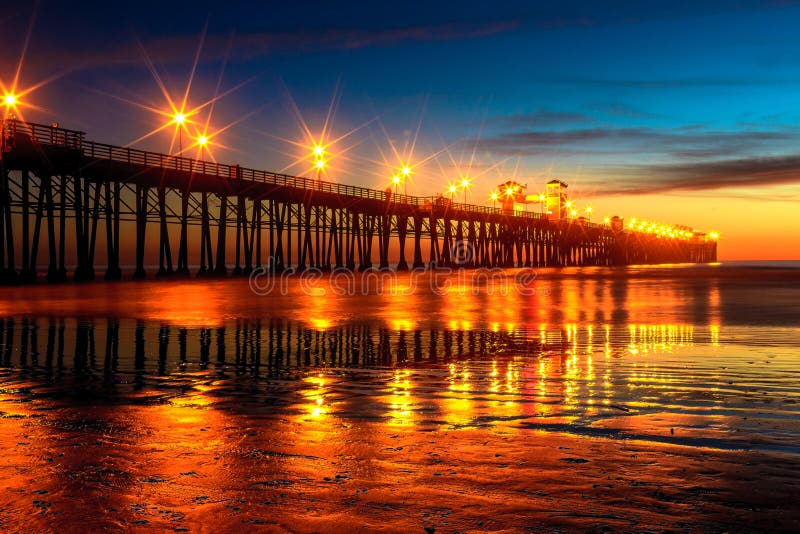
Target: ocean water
pixel 587 398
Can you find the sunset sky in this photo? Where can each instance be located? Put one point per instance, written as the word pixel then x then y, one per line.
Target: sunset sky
pixel 687 113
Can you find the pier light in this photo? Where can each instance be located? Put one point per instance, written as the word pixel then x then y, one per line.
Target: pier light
pixel 573 213
pixel 320 164
pixel 542 197
pixel 588 209
pixel 493 196
pixel 607 220
pixel 202 140
pixel 10 100
pixel 318 150
pixel 568 203
pixel 395 179
pixel 465 183
pixel 713 235
pixel 451 189
pixel 179 118
pixel 406 170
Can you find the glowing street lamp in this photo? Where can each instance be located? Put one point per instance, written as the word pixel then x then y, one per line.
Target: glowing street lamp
pixel 452 191
pixel 10 100
pixel 318 153
pixel 396 182
pixel 180 119
pixel 493 196
pixel 465 186
pixel 202 144
pixel 320 167
pixel 404 174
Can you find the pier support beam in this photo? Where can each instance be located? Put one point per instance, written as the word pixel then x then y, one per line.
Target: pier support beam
pixel 141 227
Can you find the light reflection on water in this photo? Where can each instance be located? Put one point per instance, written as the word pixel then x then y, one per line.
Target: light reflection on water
pixel 208 394
pixel 590 377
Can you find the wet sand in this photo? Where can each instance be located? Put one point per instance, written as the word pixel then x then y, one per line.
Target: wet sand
pixel 648 403
pixel 112 470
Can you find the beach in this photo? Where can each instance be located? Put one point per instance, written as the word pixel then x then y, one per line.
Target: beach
pixel 641 398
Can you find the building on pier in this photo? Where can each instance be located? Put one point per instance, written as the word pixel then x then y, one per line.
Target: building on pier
pixel 556 200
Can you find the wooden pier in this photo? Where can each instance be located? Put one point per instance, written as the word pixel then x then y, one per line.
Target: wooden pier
pixel 232 219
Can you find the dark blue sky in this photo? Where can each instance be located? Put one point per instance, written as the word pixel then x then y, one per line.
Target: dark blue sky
pixel 648 98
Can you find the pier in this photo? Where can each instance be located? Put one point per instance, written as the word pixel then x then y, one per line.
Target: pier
pixel 232 220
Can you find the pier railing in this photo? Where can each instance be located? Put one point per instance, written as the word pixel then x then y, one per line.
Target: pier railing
pixel 76 140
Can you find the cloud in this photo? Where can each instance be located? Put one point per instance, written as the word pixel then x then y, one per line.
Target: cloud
pixel 690 159
pixel 704 176
pixel 678 143
pixel 255 45
pixel 578 13
pixel 337 39
pixel 539 118
pixel 671 83
pixel 618 109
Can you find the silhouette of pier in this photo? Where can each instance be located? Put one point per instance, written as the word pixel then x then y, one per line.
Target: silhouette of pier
pixel 80 193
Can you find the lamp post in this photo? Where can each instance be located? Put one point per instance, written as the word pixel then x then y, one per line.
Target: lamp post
pixel 202 142
pixel 318 153
pixel 465 186
pixel 180 119
pixel 10 101
pixel 319 166
pixel 406 172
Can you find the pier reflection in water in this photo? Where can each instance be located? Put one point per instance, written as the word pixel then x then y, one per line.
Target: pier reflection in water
pixel 586 376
